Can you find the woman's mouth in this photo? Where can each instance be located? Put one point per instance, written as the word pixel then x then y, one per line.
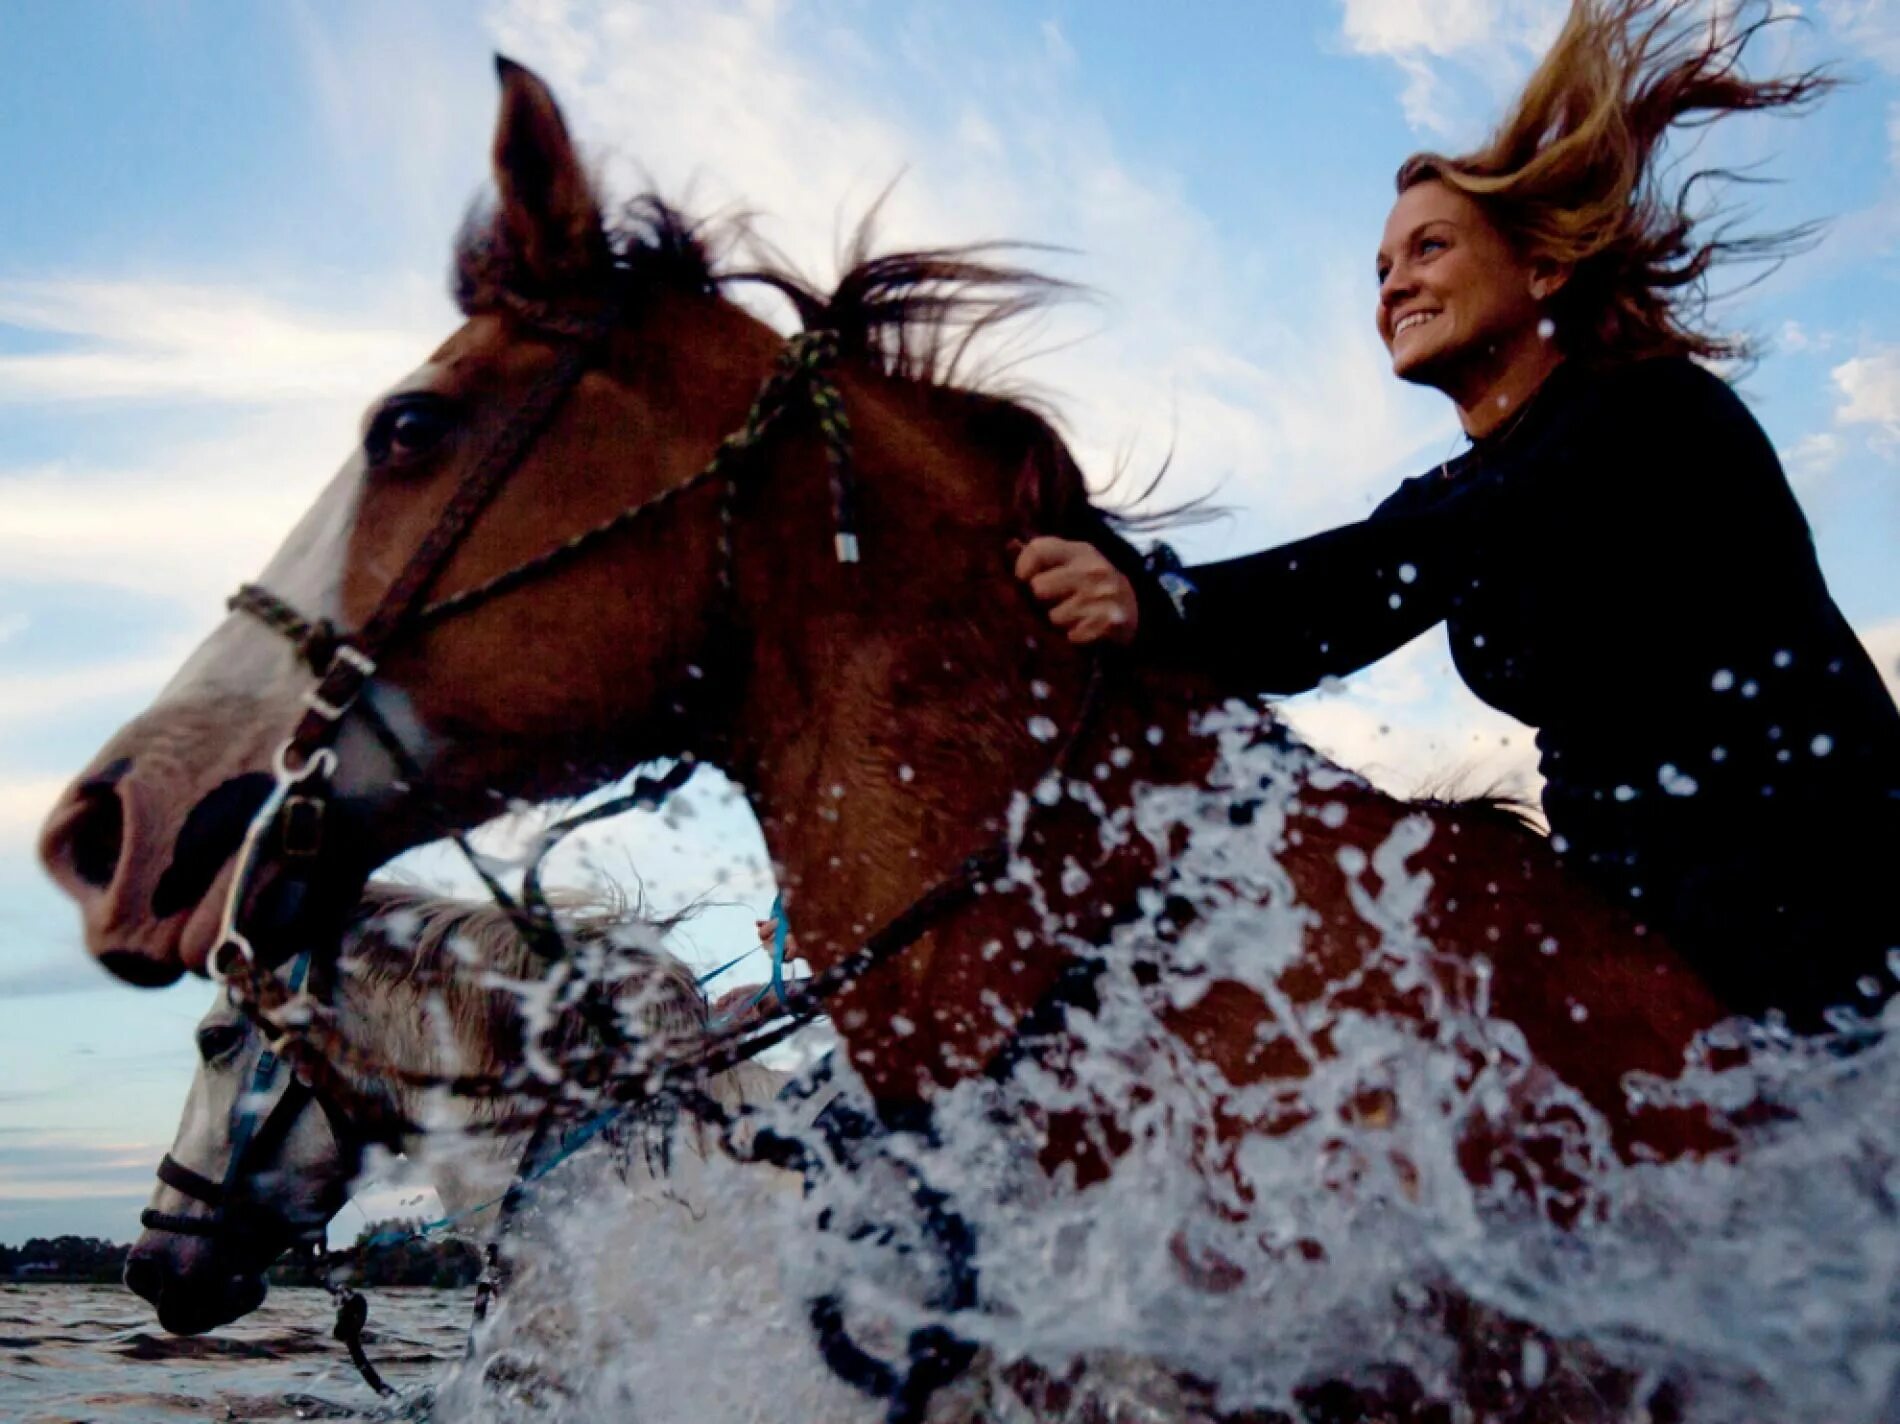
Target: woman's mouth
pixel 1410 321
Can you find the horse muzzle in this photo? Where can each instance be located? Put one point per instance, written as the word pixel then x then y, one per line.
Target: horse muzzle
pixel 192 1299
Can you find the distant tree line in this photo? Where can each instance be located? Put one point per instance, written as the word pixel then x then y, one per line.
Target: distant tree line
pixel 401 1260
pixel 63 1258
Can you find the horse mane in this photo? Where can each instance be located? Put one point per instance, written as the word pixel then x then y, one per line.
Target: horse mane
pixel 408 947
pixel 912 316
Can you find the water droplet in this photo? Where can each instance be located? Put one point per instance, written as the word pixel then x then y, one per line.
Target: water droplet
pixel 1042 729
pixel 837 791
pixel 1675 782
pixel 1154 736
pixel 1547 945
pixel 1408 573
pixel 1821 745
pixel 1546 331
pixel 1120 756
pixel 1333 814
pixel 1723 680
pixel 1039 689
pixel 1624 793
pixel 1750 688
pixel 1578 1013
pixel 905 774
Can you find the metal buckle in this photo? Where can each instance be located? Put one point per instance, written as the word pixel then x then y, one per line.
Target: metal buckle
pixel 364 667
pixel 320 763
pixel 302 836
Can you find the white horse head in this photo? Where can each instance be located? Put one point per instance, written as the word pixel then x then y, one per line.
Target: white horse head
pixel 262 1160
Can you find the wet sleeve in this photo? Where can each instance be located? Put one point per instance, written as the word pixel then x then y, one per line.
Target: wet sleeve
pixel 1280 621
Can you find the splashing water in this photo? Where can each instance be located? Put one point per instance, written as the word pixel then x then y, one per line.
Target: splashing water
pixel 1762 1283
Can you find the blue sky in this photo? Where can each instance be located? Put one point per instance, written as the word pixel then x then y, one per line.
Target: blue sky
pixel 228 227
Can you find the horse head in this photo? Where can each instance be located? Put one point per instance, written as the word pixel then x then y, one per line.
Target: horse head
pixel 255 1169
pixel 574 370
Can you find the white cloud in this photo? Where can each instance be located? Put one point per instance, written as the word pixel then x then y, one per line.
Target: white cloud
pixel 1867 28
pixel 1410 726
pixel 1437 42
pixel 1882 641
pixel 1813 456
pixel 191 521
pixel 738 106
pixel 24 804
pixel 154 340
pixel 1870 389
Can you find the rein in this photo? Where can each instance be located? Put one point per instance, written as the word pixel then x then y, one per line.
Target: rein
pixel 291 820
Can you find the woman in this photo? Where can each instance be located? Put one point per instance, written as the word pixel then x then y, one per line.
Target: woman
pixel 1618 556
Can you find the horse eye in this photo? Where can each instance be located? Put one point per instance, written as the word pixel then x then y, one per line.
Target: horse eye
pixel 216 1040
pixel 406 428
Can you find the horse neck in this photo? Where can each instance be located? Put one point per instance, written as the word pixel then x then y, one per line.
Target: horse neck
pixel 890 734
pixel 411 1031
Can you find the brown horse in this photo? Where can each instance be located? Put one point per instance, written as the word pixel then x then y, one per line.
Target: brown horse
pixel 887 718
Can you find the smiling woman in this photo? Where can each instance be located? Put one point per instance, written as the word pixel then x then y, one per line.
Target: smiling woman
pixel 1620 529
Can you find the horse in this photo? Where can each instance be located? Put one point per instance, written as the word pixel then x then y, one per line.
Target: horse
pixel 430 985
pixel 617 517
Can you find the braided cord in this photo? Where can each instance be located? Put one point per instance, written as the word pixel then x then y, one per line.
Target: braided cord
pixel 802 363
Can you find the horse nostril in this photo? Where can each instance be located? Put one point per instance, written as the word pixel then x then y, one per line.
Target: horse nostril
pixel 140 971
pixel 95 836
pixel 144 1277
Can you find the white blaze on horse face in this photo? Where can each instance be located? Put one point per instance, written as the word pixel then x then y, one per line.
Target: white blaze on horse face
pixel 243 659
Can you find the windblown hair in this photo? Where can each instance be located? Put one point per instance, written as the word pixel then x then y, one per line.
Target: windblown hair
pixel 1571 174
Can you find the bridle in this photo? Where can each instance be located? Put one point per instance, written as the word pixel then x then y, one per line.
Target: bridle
pixel 257 1135
pixel 346 663
pixel 291 819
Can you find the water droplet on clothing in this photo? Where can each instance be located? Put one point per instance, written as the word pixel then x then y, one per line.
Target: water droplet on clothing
pixel 906 774
pixel 1408 573
pixel 1042 729
pixel 1676 783
pixel 1723 680
pixel 1821 745
pixel 1039 689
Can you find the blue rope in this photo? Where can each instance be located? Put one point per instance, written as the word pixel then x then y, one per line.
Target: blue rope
pixel 571 1144
pixel 591 1129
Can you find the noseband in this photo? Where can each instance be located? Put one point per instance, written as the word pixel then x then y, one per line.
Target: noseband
pixel 257 1138
pixel 345 663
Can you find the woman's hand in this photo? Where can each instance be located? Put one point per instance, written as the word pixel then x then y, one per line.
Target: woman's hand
pixel 1086 596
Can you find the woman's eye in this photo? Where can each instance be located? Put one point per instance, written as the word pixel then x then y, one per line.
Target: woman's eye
pixel 1428 245
pixel 217 1040
pixel 407 428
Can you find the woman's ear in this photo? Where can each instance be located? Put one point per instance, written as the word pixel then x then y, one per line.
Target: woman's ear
pixel 1548 277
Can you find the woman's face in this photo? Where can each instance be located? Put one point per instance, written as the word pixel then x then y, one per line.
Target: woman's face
pixel 1453 295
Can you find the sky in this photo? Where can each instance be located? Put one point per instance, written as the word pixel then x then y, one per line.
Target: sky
pixel 228 227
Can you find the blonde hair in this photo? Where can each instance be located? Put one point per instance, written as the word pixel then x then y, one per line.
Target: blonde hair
pixel 1570 174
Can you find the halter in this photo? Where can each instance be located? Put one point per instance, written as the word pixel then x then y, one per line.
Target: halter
pixel 292 815
pixel 258 1134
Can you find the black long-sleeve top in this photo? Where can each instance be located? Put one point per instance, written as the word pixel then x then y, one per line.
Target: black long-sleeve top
pixel 1626 570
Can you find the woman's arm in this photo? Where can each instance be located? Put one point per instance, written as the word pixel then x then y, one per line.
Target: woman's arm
pixel 1273 622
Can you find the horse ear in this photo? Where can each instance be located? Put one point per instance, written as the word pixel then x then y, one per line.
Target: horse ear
pixel 548 215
